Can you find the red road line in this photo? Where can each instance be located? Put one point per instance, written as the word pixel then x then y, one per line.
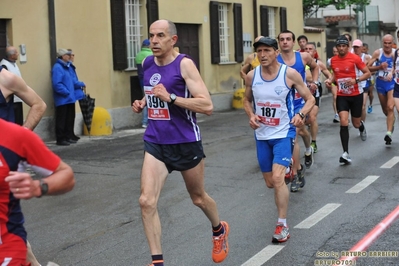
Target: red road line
pixel 368 239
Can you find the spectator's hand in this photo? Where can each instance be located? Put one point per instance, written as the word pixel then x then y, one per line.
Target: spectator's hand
pixel 138 105
pixel 22 185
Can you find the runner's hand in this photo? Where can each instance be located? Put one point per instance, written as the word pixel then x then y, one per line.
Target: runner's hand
pixel 138 105
pixel 297 120
pixel 22 185
pixel 254 121
pixel 160 92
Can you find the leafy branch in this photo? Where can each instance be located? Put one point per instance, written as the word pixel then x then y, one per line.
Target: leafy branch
pixel 310 7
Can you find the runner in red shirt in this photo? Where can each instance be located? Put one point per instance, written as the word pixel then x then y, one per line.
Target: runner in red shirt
pixel 345 66
pixel 21 149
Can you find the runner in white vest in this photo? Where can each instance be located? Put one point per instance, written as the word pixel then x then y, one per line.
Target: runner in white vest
pixel 269 104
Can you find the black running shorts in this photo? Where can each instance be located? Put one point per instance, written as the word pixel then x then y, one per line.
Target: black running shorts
pixel 352 103
pixel 179 157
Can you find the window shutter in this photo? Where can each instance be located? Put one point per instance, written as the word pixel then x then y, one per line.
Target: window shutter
pixel 214 23
pixel 238 41
pixel 118 27
pixel 264 21
pixel 283 18
pixel 152 11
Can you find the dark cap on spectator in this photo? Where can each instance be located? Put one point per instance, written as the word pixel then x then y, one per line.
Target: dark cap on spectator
pixel 63 51
pixel 342 40
pixel 267 41
pixel 146 42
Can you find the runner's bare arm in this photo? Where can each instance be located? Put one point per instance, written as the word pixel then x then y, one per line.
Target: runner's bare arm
pixel 59 182
pixel 246 67
pixel 248 107
pixel 366 74
pixel 373 59
pixel 294 79
pixel 17 86
pixel 201 101
pixel 314 67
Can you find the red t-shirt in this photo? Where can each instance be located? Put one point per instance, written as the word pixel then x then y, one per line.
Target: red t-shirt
pixel 345 68
pixel 17 145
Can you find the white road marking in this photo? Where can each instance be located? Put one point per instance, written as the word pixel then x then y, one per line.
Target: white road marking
pixel 391 162
pixel 317 216
pixel 264 255
pixel 363 184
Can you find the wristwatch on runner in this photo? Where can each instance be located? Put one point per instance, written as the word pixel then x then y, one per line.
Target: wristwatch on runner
pixel 357 80
pixel 172 98
pixel 43 188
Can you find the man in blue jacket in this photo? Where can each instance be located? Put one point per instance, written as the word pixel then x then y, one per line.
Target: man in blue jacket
pixel 64 98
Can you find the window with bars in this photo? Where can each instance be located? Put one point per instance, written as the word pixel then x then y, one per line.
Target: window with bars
pixel 222 44
pixel 272 25
pixel 133 31
pixel 224 33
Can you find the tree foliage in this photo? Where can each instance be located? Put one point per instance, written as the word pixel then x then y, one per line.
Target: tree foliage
pixel 310 7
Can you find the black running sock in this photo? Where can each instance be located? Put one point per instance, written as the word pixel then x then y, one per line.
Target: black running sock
pixel 313 141
pixel 218 230
pixel 344 133
pixel 361 128
pixel 157 260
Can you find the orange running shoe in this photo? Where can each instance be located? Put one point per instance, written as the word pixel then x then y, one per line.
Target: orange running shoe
pixel 281 234
pixel 221 245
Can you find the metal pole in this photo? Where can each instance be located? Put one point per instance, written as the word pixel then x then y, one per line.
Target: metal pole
pixel 52 32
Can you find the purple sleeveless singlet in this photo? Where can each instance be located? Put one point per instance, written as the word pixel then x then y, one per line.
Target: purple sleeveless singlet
pixel 178 125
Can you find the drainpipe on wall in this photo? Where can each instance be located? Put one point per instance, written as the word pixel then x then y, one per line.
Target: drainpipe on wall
pixel 255 7
pixel 52 39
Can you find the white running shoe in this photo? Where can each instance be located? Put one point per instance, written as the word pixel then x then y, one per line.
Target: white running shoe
pixel 363 135
pixel 336 118
pixel 345 158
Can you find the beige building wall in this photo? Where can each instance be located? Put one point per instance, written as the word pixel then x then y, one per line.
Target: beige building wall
pixel 85 27
pixel 88 33
pixel 224 78
pixel 28 25
pixel 318 37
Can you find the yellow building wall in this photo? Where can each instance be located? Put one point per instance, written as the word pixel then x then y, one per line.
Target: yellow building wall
pixel 29 26
pixel 318 37
pixel 85 27
pixel 88 33
pixel 224 78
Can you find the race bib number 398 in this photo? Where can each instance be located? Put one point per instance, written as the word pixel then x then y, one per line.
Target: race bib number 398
pixel 157 109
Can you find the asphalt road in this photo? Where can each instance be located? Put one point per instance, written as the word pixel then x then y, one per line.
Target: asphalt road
pixel 99 222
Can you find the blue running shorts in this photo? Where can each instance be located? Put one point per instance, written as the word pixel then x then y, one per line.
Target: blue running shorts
pixel 384 86
pixel 273 151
